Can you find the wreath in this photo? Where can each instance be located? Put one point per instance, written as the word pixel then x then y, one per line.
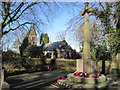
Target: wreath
pixel 86 75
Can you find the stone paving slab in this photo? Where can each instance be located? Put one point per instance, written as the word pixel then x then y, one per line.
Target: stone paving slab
pixel 109 82
pixel 34 80
pixel 5 85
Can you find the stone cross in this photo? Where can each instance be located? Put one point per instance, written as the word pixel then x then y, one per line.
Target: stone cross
pixel 87 63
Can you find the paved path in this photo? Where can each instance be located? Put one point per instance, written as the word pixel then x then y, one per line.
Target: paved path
pixel 37 80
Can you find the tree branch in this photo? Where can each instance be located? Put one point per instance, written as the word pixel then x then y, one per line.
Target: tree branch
pixel 6 7
pixel 13 18
pixel 26 9
pixel 16 27
pixel 101 5
pixel 17 9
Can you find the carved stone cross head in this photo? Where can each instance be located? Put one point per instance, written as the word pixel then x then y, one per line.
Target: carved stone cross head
pixel 86 10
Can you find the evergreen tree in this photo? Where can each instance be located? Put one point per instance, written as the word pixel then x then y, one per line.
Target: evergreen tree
pixel 23 46
pixel 31 51
pixel 44 38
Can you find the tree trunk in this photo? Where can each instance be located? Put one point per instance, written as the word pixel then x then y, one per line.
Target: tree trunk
pixel 103 66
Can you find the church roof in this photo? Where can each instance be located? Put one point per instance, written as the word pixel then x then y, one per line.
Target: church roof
pixel 51 46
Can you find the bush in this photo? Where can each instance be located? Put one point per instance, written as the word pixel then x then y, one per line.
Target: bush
pixel 29 64
pixel 31 51
pixel 13 65
pixel 115 71
pixel 7 56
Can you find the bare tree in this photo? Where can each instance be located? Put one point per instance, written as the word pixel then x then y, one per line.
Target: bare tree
pixel 17 14
pixel 19 39
pixel 61 35
pixel 11 12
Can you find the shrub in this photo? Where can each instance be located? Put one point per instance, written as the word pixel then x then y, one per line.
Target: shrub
pixel 31 51
pixel 115 71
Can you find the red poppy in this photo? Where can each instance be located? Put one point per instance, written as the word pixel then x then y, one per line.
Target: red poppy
pixel 77 74
pixel 94 76
pixel 81 74
pixel 86 75
pixel 62 78
pixel 99 73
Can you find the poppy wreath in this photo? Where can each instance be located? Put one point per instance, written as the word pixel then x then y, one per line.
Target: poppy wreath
pixel 86 75
pixel 97 76
pixel 81 74
pixel 63 77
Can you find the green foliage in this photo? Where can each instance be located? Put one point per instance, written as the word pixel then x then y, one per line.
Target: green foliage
pixel 99 52
pixel 111 27
pixel 104 16
pixel 44 38
pixel 28 64
pixel 23 46
pixel 115 71
pixel 114 42
pixel 33 51
pixel 7 56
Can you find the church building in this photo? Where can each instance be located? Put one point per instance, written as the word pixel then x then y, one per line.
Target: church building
pixel 60 49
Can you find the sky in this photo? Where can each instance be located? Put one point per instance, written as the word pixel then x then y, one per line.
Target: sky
pixel 59 24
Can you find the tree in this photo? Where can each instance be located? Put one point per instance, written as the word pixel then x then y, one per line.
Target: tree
pixel 11 15
pixel 19 37
pixel 23 46
pixel 110 21
pixel 108 15
pixel 61 35
pixel 31 51
pixel 44 38
pixel 9 55
pixel 15 14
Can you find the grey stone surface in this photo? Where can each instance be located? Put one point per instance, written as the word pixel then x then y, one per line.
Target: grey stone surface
pixel 34 80
pixel 79 65
pixel 109 82
pixel 5 85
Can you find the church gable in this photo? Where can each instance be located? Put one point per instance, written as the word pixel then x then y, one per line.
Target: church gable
pixel 32 31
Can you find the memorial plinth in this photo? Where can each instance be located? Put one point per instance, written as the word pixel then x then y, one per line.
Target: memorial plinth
pixel 88 80
pixel 92 81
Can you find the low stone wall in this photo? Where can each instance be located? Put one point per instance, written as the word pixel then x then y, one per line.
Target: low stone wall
pixel 70 64
pixel 61 63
